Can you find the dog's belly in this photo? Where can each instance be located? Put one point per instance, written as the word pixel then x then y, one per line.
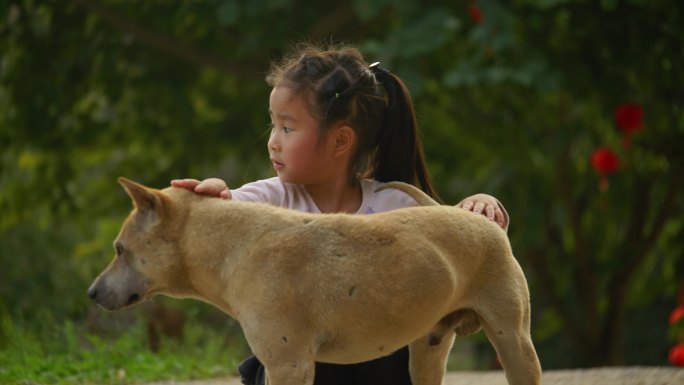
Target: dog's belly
pixel 363 346
pixel 355 354
pixel 366 328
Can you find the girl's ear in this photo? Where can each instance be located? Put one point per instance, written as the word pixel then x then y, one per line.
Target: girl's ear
pixel 345 138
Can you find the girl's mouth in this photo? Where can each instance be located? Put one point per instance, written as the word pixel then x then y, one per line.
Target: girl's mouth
pixel 277 165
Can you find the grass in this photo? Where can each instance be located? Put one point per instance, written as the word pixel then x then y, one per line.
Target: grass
pixel 66 355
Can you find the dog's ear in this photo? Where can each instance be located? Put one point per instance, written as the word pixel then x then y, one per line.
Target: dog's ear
pixel 144 199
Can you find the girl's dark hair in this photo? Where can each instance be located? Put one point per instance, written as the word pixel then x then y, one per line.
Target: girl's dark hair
pixel 339 86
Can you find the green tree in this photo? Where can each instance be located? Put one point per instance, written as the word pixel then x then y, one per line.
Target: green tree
pixel 593 254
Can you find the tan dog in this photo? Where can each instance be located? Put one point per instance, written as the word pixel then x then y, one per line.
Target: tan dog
pixel 332 288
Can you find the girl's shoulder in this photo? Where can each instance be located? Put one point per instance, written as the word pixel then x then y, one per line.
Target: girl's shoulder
pixel 275 192
pixel 265 190
pixel 380 201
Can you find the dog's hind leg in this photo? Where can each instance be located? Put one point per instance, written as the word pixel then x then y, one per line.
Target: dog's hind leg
pixel 428 356
pixel 512 340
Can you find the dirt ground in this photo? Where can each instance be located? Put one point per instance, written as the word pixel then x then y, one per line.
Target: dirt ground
pixel 603 376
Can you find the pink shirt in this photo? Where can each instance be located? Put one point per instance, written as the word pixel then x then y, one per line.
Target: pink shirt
pixel 295 196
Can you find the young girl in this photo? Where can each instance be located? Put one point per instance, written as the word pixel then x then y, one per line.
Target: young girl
pixel 340 128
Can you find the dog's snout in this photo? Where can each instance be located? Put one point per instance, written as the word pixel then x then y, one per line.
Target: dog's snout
pixel 92 293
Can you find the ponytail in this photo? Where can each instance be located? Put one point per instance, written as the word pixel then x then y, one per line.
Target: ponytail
pixel 399 155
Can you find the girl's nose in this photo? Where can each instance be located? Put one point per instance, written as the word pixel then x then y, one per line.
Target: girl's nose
pixel 273 142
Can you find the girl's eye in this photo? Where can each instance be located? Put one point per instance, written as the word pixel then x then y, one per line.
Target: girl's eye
pixel 274 128
pixel 119 248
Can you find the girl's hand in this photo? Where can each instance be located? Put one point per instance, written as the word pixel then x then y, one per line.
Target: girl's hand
pixel 212 187
pixel 486 205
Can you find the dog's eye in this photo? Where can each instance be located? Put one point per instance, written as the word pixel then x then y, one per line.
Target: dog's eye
pixel 119 248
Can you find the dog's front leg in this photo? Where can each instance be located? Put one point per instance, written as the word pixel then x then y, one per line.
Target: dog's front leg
pixel 290 372
pixel 289 358
pixel 286 350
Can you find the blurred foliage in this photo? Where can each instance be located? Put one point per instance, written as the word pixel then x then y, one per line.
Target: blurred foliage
pixel 66 354
pixel 513 106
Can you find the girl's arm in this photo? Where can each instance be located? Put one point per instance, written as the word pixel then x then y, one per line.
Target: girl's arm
pixel 213 187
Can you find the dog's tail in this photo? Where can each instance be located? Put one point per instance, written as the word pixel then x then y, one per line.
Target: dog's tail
pixel 421 197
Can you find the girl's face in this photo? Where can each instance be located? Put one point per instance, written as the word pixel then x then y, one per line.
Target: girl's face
pixel 298 153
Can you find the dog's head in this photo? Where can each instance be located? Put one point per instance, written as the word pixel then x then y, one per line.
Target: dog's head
pixel 147 259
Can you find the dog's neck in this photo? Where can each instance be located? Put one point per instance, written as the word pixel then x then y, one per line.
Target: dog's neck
pixel 215 238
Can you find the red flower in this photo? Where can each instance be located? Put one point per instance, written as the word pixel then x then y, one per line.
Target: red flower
pixel 676 356
pixel 629 117
pixel 676 315
pixel 604 161
pixel 475 14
